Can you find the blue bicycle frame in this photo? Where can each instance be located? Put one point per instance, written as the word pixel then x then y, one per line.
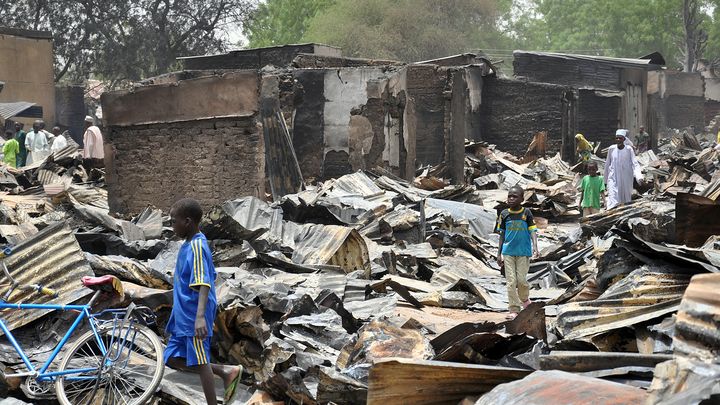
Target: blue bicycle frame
pixel 42 374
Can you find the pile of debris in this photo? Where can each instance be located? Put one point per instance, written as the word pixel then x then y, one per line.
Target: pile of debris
pixel 370 288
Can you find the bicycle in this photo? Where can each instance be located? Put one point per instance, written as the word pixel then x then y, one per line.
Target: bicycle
pixel 118 361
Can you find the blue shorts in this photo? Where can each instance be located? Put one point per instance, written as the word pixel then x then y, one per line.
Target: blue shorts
pixel 195 351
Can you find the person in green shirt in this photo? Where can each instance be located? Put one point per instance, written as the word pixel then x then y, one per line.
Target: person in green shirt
pixel 592 188
pixel 20 137
pixel 10 149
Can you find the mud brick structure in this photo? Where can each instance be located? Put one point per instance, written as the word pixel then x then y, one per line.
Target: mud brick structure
pixel 196 138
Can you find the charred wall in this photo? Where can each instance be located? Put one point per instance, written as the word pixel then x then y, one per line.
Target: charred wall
pixel 308 121
pixel 257 58
pixel 212 160
pixel 426 85
pixel 684 111
pixel 70 110
pixel 598 115
pixel 513 110
pixel 578 73
pixel 347 119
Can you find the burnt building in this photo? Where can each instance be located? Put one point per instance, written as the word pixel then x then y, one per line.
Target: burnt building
pixel 612 92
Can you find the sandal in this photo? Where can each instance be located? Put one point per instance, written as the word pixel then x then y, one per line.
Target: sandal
pixel 511 316
pixel 231 391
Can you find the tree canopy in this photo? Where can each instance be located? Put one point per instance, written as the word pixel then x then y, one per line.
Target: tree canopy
pixel 279 22
pixel 407 30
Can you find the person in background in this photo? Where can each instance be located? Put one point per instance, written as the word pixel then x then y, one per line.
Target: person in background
pixel 584 148
pixel 59 142
pixel 93 149
pixel 620 168
pixel 592 189
pixel 20 137
pixel 518 242
pixel 10 149
pixel 49 136
pixel 642 140
pixel 36 144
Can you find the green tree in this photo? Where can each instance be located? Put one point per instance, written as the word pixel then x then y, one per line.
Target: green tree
pixel 606 27
pixel 279 22
pixel 122 41
pixel 408 30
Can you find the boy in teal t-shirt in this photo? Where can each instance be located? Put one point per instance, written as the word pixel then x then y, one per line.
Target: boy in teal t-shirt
pixel 592 189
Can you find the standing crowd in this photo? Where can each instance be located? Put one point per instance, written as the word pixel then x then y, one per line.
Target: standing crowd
pixel 20 148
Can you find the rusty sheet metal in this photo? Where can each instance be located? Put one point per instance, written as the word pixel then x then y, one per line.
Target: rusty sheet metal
pixel 644 294
pixel 697 332
pixel 51 258
pixel 696 219
pixel 561 388
pixel 407 381
pixel 332 244
pixel 575 361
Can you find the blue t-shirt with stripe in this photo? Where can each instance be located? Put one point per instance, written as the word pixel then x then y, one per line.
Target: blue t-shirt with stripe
pixel 516 227
pixel 194 268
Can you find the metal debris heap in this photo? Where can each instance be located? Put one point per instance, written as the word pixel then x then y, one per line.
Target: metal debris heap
pixel 371 289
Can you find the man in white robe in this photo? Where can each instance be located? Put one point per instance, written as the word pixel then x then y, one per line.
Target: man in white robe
pixel 59 140
pixel 621 167
pixel 36 144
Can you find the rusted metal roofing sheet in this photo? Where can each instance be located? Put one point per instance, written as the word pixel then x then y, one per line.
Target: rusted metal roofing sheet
pixel 696 328
pixel 9 110
pixel 561 388
pixel 51 258
pixel 645 294
pixel 332 244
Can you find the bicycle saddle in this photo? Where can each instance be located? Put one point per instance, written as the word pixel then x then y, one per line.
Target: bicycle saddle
pixel 106 283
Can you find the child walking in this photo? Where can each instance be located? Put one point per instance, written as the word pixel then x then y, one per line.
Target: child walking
pixel 194 305
pixel 518 242
pixel 592 188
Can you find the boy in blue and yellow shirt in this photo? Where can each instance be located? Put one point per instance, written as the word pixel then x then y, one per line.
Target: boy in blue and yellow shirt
pixel 194 305
pixel 518 242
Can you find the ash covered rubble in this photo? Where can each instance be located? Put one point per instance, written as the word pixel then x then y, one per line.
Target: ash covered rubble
pixel 368 288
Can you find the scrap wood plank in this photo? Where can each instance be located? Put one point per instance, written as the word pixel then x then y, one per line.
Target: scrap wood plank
pixel 409 381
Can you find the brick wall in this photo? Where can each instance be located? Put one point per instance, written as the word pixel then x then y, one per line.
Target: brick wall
pixel 211 160
pixel 683 111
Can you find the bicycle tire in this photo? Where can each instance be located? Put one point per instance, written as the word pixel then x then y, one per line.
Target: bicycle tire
pixel 84 351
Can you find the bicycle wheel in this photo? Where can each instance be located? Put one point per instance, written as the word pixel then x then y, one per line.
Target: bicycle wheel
pixel 129 373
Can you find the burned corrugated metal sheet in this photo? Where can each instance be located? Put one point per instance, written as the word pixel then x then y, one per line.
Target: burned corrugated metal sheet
pixel 646 293
pixel 697 332
pixel 332 244
pixel 53 259
pixel 561 388
pixel 696 219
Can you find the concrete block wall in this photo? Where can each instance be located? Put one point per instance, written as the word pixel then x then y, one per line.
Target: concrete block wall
pixel 212 160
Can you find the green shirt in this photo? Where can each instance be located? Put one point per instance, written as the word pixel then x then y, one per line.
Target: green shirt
pixel 10 150
pixel 592 187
